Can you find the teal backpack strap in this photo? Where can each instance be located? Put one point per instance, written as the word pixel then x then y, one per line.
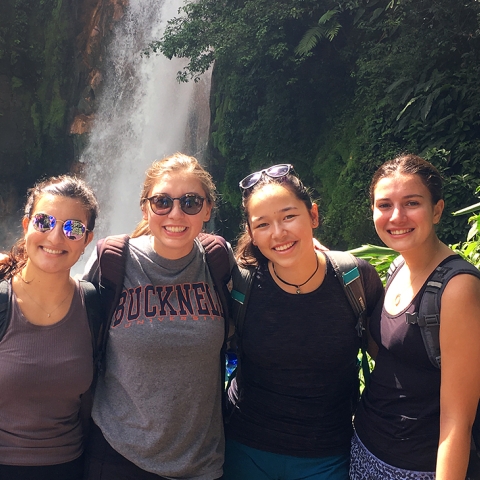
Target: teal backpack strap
pixel 348 274
pixel 5 295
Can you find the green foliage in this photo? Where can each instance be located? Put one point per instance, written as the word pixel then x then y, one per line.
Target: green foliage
pixel 379 257
pixel 211 30
pixel 36 38
pixel 16 82
pixel 470 248
pixel 337 88
pixel 327 27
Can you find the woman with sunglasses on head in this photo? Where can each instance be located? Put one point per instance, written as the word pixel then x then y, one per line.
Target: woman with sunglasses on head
pixel 46 352
pixel 415 419
pixel 157 406
pixel 291 398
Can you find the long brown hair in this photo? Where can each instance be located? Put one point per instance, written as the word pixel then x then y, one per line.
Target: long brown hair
pixel 63 186
pixel 178 162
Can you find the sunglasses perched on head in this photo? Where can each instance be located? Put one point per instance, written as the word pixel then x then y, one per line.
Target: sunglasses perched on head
pixel 162 204
pixel 72 229
pixel 276 171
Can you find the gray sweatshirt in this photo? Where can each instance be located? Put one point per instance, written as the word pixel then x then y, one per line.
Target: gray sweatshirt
pixel 159 401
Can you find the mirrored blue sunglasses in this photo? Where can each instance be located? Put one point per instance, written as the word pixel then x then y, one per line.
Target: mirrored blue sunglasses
pixel 72 229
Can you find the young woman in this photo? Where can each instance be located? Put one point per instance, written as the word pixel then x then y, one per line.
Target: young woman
pixel 46 351
pixel 415 420
pixel 157 406
pixel 291 397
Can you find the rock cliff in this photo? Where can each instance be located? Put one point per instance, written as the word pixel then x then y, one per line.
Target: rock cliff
pixel 51 57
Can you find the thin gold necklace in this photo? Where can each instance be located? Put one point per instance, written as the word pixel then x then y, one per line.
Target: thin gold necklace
pixel 36 303
pixel 293 284
pixel 398 296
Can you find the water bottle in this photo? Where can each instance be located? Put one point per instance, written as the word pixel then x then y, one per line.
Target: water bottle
pixel 230 362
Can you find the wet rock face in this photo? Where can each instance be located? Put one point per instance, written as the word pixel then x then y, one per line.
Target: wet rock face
pixel 51 58
pixel 96 18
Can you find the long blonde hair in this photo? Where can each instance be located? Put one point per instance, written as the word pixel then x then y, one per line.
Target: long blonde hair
pixel 178 162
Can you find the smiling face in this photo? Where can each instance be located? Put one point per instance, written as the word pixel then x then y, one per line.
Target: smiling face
pixel 52 251
pixel 281 225
pixel 175 232
pixel 403 212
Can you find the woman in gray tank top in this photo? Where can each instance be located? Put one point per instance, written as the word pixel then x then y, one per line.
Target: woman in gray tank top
pixel 46 351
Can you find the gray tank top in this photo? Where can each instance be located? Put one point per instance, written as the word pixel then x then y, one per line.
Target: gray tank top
pixel 43 372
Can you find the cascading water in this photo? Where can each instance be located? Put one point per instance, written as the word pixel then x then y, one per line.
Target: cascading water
pixel 143 114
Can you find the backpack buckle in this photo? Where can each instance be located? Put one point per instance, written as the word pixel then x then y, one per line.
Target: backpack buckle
pixel 429 321
pixel 411 318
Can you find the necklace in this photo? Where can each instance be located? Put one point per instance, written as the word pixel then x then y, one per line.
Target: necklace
pixel 36 303
pixel 398 296
pixel 293 284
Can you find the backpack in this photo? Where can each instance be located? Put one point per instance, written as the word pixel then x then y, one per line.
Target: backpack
pixel 347 272
pixel 95 314
pixel 428 315
pixel 112 254
pixel 428 319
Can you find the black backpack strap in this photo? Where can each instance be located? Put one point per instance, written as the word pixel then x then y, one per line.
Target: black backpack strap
pixel 394 266
pixel 112 257
pixel 428 316
pixel 97 320
pixel 218 261
pixel 242 279
pixel 5 296
pixel 347 272
pixel 111 254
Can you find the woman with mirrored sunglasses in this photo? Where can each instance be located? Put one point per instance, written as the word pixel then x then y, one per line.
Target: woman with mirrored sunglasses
pixel 291 398
pixel 157 406
pixel 46 358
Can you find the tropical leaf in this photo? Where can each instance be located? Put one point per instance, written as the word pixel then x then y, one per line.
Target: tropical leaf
pixel 310 40
pixel 327 16
pixel 411 102
pixel 471 209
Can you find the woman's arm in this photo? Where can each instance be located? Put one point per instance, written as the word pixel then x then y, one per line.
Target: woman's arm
pixel 460 374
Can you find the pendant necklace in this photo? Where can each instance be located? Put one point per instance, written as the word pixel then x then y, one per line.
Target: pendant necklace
pixel 293 284
pixel 398 296
pixel 36 303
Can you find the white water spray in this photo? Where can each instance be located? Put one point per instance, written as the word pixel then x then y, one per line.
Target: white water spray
pixel 144 114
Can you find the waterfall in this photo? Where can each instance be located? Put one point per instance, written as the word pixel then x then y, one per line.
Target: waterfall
pixel 143 114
